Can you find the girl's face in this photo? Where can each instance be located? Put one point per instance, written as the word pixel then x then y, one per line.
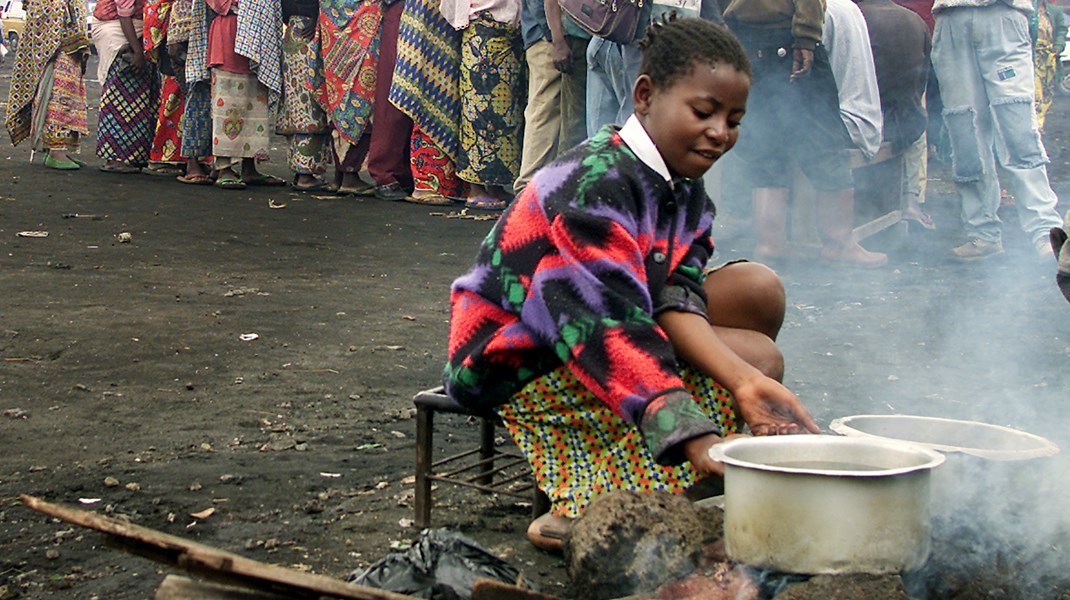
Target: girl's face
pixel 696 119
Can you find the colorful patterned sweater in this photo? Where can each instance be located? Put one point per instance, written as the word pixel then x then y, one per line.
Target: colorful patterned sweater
pixel 574 273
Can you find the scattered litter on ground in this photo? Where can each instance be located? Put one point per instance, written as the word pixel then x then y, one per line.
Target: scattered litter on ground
pixel 463 214
pixel 81 216
pixel 273 204
pixel 204 514
pixel 248 337
pixel 124 237
pixel 33 234
pixel 88 500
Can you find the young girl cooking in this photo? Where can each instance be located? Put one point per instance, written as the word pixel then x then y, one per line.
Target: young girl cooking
pixel 589 320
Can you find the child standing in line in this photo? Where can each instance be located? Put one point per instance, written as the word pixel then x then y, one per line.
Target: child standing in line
pixel 589 320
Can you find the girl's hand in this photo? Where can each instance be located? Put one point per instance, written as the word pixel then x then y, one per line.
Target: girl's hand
pixel 697 451
pixel 768 408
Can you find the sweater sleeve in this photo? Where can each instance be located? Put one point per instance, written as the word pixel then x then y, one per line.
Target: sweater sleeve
pixel 807 23
pixel 593 297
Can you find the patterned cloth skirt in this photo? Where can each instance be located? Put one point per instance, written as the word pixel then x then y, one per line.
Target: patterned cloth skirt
pixel 127 123
pixel 493 95
pixel 240 121
pixel 62 95
pixel 167 145
pixel 432 169
pixel 197 121
pixel 579 449
pixel 1046 64
pixel 301 117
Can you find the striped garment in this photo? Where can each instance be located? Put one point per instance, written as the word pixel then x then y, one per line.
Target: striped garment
pixel 574 273
pixel 426 84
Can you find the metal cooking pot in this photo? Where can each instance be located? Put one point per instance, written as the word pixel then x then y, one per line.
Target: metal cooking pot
pixel 827 504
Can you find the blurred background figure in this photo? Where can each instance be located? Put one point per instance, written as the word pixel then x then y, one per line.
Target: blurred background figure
pixel 983 59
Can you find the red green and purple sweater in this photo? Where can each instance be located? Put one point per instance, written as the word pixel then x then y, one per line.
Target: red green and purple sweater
pixel 575 272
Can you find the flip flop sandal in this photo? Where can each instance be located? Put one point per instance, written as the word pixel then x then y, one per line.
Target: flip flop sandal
pixel 120 169
pixel 486 203
pixel 195 179
pixel 430 200
pixel 61 165
pixel 362 189
pixel 230 183
pixel 264 180
pixel 319 186
pixel 163 170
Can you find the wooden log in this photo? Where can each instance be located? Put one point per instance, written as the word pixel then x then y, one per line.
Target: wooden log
pixel 490 589
pixel 176 587
pixel 210 562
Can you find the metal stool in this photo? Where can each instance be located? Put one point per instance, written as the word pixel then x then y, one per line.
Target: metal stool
pixel 485 468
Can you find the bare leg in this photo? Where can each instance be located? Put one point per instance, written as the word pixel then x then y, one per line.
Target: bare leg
pixel 746 305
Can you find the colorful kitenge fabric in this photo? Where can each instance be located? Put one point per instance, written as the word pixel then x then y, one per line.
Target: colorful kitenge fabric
pixel 1045 63
pixel 64 116
pixel 197 121
pixel 493 95
pixel 240 123
pixel 350 57
pixel 573 274
pixel 167 144
pixel 157 16
pixel 197 50
pixel 432 170
pixel 301 117
pixel 52 26
pixel 259 38
pixel 579 449
pixel 127 122
pixel 426 84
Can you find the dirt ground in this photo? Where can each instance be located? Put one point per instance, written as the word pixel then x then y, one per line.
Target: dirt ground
pixel 125 377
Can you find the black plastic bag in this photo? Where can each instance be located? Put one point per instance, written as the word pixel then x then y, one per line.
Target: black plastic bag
pixel 441 565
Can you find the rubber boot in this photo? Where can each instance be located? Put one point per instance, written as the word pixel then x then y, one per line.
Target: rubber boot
pixel 835 221
pixel 770 215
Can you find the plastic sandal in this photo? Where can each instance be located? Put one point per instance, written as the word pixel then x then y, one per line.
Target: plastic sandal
pixel 486 203
pixel 264 180
pixel 230 183
pixel 195 179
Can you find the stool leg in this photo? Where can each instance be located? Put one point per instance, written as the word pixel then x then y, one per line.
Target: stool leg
pixel 540 503
pixel 425 429
pixel 486 449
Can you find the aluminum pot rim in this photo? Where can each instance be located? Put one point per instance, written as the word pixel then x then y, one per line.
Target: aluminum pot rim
pixel 928 459
pixel 1044 446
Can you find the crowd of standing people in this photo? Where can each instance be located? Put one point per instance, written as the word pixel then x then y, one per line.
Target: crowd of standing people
pixel 444 101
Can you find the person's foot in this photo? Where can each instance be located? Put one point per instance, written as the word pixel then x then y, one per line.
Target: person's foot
pixel 548 532
pixel 913 213
pixel 1044 250
pixel 391 191
pixel 977 249
pixel 781 253
pixel 853 255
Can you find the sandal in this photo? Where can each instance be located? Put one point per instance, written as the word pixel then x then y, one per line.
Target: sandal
pixel 548 532
pixel 430 200
pixel 363 188
pixel 163 170
pixel 195 179
pixel 486 203
pixel 120 169
pixel 230 183
pixel 318 186
pixel 264 180
pixel 61 165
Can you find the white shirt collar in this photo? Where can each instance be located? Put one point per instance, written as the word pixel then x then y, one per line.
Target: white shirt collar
pixel 636 137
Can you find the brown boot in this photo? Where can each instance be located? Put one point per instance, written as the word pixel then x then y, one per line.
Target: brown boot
pixel 770 215
pixel 835 218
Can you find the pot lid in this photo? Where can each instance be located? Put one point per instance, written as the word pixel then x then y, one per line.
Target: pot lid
pixel 948 435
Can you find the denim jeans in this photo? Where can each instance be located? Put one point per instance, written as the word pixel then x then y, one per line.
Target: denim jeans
pixel 984 61
pixel 611 72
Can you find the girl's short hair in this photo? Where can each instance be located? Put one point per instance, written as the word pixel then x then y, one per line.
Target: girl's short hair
pixel 672 46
